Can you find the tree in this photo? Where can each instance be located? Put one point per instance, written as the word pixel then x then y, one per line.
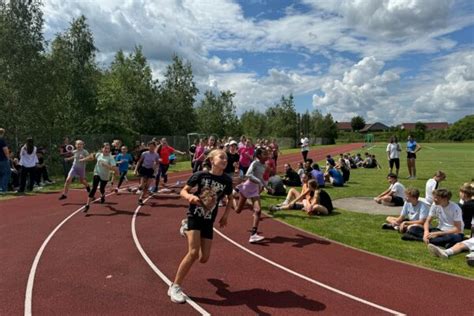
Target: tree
pixel 462 130
pixel 177 95
pixel 282 118
pixel 253 123
pixel 357 123
pixel 323 126
pixel 22 70
pixel 420 131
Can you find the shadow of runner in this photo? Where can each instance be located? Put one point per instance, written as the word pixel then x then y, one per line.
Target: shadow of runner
pixel 116 212
pixel 299 241
pixel 254 299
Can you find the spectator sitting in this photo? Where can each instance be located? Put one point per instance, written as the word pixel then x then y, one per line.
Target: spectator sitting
pixel 294 193
pixel 333 176
pixel 414 212
pixel 432 184
pixel 375 163
pixel 330 161
pixel 394 195
pixel 15 169
pixel 315 201
pixel 466 192
pixel 291 178
pixel 317 175
pixel 465 245
pixel 358 160
pixel 450 228
pixel 276 183
pixel 307 165
pixel 344 168
pixel 42 176
pixel 367 163
pixel 300 170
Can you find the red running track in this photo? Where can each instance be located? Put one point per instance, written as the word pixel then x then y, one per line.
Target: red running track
pixel 92 265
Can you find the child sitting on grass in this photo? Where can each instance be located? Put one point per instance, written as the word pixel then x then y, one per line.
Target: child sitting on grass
pixel 414 212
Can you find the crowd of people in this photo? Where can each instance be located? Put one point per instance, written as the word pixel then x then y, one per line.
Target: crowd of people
pixel 234 173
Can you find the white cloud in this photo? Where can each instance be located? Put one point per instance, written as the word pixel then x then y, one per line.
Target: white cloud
pixel 363 91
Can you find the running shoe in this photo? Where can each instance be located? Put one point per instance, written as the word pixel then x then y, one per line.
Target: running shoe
pixel 387 226
pixel 184 227
pixel 88 189
pixel 116 191
pixel 86 208
pixel 62 197
pixel 140 202
pixel 102 199
pixel 255 238
pixel 470 259
pixel 437 252
pixel 176 294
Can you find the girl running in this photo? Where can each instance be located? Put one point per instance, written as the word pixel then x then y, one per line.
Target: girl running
pixel 251 189
pixel 78 169
pixel 124 159
pixel 164 151
pixel 199 155
pixel 147 164
pixel 211 186
pixel 102 170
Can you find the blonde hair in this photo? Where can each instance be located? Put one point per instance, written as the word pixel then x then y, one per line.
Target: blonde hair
pixel 213 153
pixel 313 184
pixel 468 189
pixel 443 193
pixel 79 142
pixel 2 131
pixel 413 192
pixel 440 174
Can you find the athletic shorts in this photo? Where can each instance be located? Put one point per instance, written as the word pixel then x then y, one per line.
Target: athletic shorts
pixel 398 201
pixel 396 162
pixel 146 172
pixel 203 225
pixel 249 189
pixel 411 156
pixel 77 172
pixel 469 243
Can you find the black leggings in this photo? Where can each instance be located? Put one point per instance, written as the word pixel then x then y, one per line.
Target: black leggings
pixel 95 184
pixel 25 173
pixel 123 174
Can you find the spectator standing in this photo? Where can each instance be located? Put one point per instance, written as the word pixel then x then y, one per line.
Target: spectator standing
pixel 393 154
pixel 412 148
pixel 304 143
pixel 28 162
pixel 5 171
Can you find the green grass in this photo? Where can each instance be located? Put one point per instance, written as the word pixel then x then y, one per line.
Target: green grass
pixel 363 230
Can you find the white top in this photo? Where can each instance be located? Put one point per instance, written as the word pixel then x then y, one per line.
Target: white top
pixel 27 160
pixel 447 215
pixel 415 212
pixel 431 185
pixel 394 150
pixel 304 144
pixel 398 188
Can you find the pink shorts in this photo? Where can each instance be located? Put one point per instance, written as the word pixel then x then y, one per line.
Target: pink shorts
pixel 79 172
pixel 249 189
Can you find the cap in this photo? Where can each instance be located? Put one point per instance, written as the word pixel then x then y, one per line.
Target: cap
pixel 233 142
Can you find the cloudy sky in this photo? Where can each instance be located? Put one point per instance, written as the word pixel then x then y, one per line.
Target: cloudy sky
pixel 391 61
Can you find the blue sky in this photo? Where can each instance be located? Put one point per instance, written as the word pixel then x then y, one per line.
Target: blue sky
pixel 391 61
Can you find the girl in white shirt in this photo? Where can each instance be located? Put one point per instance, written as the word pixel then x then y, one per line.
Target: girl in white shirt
pixel 28 161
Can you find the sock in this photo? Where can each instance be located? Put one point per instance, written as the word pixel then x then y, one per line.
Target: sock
pixel 254 231
pixel 449 252
pixel 286 202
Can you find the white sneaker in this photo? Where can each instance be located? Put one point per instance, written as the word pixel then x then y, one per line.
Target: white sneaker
pixel 437 252
pixel 184 227
pixel 176 294
pixel 256 238
pixel 470 256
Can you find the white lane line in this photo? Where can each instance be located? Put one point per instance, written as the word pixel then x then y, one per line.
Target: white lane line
pixel 163 277
pixel 358 299
pixel 31 276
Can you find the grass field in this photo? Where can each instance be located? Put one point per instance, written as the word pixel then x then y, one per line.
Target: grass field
pixel 363 230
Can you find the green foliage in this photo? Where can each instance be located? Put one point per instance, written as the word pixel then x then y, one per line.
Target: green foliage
pixel 323 126
pixel 281 118
pixel 253 123
pixel 217 114
pixel 357 123
pixel 462 130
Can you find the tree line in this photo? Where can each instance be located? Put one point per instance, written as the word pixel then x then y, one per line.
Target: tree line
pixel 58 88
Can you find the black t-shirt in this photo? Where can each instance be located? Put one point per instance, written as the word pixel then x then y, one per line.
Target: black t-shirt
pixel 231 159
pixel 467 213
pixel 276 183
pixel 325 200
pixel 2 145
pixel 210 189
pixel 292 176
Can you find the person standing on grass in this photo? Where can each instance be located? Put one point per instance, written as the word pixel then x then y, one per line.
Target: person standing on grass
pixel 393 154
pixel 5 171
pixel 78 168
pixel 432 184
pixel 304 144
pixel 124 160
pixel 102 170
pixel 394 195
pixel 412 148
pixel 164 151
pixel 414 212
pixel 28 162
pixel 251 188
pixel 450 229
pixel 145 168
pixel 211 186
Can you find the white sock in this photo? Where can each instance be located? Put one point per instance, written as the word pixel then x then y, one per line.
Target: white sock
pixel 449 252
pixel 286 201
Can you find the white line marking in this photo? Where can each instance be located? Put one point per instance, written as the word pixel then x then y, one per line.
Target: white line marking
pixel 155 268
pixel 391 311
pixel 31 276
